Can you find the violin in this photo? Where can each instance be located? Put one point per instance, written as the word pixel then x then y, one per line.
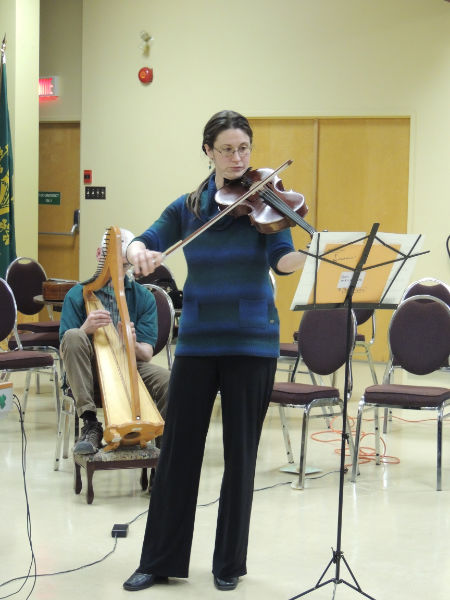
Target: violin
pixel 256 186
pixel 271 208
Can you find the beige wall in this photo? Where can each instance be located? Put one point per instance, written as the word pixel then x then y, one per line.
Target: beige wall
pixel 19 19
pixel 60 55
pixel 265 58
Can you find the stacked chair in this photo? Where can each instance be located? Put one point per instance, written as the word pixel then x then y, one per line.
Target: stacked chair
pixel 19 359
pixel 25 277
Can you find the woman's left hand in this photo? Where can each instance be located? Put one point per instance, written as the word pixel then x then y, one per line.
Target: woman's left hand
pixel 291 262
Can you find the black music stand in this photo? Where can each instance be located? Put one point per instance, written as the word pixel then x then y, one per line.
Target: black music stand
pixel 351 279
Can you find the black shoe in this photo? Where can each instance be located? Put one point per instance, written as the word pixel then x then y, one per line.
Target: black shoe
pixel 141 581
pixel 90 439
pixel 225 583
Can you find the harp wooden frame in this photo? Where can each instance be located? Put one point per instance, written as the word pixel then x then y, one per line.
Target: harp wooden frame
pixel 130 414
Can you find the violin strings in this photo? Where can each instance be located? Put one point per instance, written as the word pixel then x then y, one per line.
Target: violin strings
pixel 272 199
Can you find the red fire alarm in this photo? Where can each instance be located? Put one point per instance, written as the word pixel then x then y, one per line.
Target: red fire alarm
pixel 145 75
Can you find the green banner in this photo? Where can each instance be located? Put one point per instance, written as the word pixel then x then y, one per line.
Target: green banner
pixel 7 236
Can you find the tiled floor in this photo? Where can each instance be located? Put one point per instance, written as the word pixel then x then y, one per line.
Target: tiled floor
pixel 395 535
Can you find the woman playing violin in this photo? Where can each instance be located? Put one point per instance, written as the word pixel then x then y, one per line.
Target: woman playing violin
pixel 228 342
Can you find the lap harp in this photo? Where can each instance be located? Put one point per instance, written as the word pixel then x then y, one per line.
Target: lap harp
pixel 130 414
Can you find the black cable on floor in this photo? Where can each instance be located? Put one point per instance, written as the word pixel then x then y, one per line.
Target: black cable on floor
pixel 30 542
pixel 35 575
pixel 95 562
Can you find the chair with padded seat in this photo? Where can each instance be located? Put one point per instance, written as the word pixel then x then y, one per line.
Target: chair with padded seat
pixel 166 320
pixel 162 277
pixel 428 286
pixel 322 345
pixel 129 457
pixel 419 340
pixel 29 361
pixel 289 360
pixel 289 350
pixel 45 341
pixel 25 276
pixel 362 344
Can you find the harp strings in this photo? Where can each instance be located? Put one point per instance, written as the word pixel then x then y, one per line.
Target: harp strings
pixel 119 384
pixel 106 297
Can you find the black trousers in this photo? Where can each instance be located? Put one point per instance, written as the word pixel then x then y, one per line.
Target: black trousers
pixel 245 385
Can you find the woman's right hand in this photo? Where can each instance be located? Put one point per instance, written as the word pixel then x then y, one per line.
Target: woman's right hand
pixel 144 261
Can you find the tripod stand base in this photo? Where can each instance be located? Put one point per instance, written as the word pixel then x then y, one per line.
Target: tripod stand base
pixel 337 557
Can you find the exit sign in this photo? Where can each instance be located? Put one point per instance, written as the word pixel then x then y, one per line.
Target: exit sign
pixel 48 87
pixel 53 198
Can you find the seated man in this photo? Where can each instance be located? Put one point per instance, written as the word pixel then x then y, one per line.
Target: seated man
pixel 78 354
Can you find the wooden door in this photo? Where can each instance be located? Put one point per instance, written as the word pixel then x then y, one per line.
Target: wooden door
pixel 275 141
pixel 363 179
pixel 352 172
pixel 59 172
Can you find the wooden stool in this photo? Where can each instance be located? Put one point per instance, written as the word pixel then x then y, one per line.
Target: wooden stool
pixel 131 457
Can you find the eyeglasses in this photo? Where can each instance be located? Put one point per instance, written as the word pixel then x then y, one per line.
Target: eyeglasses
pixel 228 151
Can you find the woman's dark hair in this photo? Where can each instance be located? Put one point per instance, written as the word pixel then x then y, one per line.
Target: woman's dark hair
pixel 225 119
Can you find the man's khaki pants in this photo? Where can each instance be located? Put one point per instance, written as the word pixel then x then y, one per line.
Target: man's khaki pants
pixel 81 372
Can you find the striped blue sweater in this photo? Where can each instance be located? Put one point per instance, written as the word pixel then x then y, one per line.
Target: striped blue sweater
pixel 228 306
